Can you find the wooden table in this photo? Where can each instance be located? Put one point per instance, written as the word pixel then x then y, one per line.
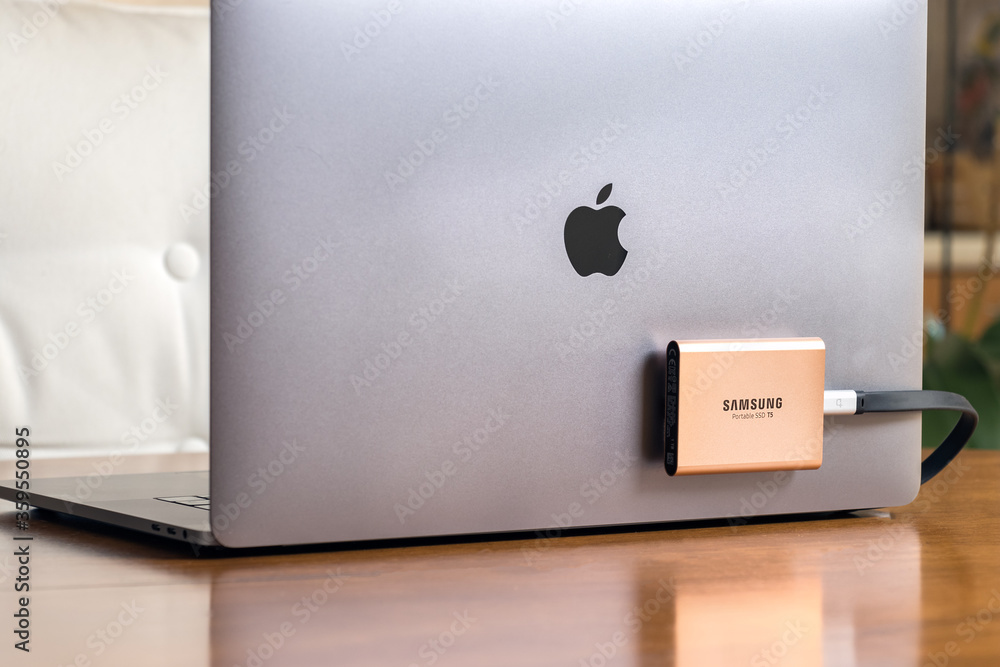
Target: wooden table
pixel 919 585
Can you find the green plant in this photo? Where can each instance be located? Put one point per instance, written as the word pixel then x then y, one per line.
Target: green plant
pixel 955 362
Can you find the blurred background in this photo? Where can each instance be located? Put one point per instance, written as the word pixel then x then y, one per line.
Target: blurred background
pixel 961 299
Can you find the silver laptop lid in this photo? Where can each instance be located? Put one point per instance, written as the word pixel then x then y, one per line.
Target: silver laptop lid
pixel 401 345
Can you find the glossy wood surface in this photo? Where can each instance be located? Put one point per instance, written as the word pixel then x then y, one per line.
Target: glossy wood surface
pixel 918 585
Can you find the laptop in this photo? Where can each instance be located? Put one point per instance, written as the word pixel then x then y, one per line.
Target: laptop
pixel 451 244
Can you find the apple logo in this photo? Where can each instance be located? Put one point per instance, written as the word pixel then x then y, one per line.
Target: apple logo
pixel 592 238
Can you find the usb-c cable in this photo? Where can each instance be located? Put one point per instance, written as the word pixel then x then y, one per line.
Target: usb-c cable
pixel 848 402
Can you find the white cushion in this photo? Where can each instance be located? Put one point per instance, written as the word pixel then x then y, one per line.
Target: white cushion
pixel 104 304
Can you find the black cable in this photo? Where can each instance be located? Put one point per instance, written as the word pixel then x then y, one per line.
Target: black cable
pixel 918 401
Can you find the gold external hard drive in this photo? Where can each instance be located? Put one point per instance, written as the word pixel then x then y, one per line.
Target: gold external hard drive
pixel 744 405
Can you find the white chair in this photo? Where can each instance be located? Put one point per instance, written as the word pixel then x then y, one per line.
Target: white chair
pixel 103 227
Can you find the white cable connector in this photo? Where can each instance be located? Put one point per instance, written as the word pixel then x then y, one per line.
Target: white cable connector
pixel 840 402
